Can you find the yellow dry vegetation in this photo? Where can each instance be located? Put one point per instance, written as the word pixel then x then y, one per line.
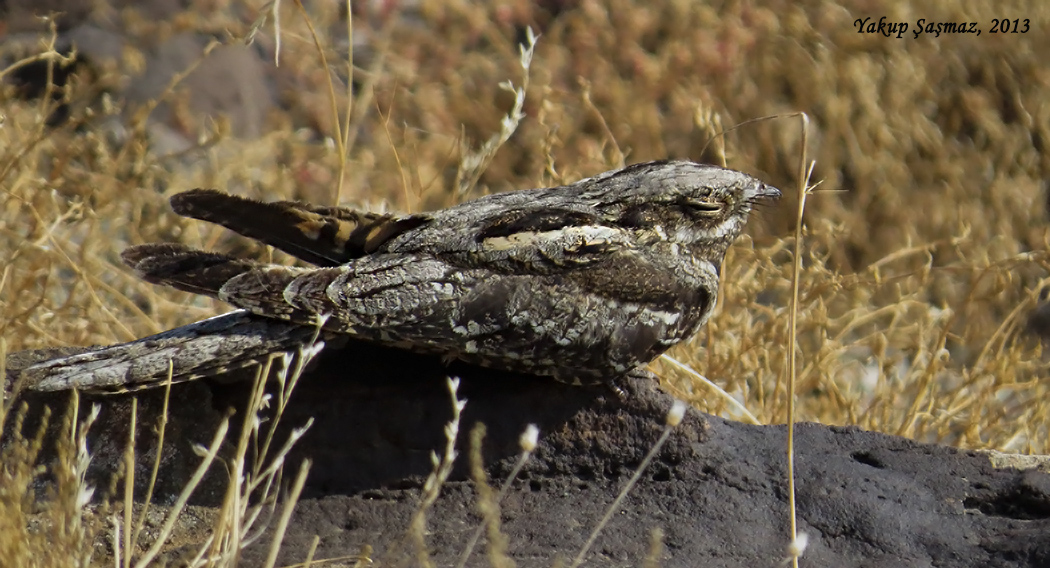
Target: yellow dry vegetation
pixel 925 243
pixel 925 240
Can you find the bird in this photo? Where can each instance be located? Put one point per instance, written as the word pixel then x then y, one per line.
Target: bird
pixel 583 283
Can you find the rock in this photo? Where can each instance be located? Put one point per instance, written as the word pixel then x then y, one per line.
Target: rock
pixel 232 81
pixel 717 488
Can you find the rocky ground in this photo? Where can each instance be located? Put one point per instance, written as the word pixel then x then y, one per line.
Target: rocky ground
pixel 717 489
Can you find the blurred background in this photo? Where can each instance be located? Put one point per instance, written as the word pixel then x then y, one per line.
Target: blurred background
pixel 925 242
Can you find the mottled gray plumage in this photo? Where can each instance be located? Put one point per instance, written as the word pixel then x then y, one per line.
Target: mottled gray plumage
pixel 583 283
pixel 205 348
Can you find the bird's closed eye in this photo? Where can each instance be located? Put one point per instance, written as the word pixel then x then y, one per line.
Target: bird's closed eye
pixel 705 207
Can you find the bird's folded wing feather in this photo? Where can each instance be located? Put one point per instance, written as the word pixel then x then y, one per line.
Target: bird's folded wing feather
pixel 205 348
pixel 324 236
pixel 376 288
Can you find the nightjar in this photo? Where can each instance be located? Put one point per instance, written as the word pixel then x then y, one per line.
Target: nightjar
pixel 583 283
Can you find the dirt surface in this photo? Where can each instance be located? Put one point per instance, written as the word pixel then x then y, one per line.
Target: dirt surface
pixel 716 489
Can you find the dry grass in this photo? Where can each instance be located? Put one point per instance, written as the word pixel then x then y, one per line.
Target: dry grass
pixel 925 244
pixel 48 524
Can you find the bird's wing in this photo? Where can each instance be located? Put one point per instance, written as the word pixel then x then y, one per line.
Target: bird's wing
pixel 324 236
pixel 383 292
pixel 539 240
pixel 205 348
pixel 534 219
pixel 369 288
pixel 583 322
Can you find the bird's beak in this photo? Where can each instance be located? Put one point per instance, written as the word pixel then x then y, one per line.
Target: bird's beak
pixel 766 192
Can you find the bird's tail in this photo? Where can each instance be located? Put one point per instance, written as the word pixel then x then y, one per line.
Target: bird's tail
pixel 323 236
pixel 254 286
pixel 210 347
pixel 184 268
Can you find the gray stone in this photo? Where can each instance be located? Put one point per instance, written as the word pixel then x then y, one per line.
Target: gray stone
pixel 717 489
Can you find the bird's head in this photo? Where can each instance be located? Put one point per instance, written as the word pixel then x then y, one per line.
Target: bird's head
pixel 700 206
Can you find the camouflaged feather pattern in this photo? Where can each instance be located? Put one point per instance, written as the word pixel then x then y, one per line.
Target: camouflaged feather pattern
pixel 583 283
